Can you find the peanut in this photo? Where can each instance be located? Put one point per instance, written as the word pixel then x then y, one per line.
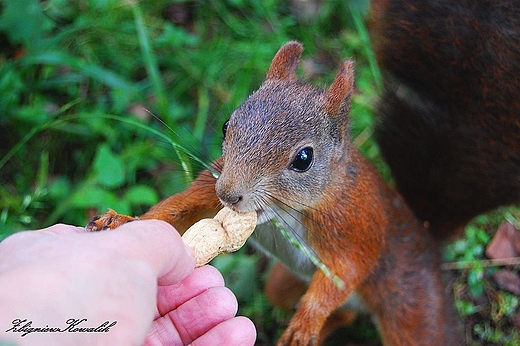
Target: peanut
pixel 226 232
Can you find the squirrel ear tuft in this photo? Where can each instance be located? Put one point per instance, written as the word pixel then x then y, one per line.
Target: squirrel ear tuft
pixel 337 98
pixel 285 62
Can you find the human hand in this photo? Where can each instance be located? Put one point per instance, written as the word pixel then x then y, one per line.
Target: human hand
pixel 144 282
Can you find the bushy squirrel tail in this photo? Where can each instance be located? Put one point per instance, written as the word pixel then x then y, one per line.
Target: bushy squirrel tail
pixel 449 123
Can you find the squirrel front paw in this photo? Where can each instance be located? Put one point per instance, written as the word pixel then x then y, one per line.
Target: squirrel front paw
pixel 108 220
pixel 297 336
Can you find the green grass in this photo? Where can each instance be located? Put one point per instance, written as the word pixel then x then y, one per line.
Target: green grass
pixel 113 104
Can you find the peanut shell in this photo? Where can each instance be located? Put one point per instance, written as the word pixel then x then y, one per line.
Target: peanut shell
pixel 226 232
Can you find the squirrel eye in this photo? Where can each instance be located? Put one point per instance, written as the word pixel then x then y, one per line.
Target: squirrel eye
pixel 224 127
pixel 303 160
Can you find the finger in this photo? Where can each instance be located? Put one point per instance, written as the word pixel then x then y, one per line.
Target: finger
pixel 150 242
pixel 172 296
pixel 43 234
pixel 154 242
pixel 195 317
pixel 62 229
pixel 31 242
pixel 238 331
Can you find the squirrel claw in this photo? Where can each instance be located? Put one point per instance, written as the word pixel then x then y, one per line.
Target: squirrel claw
pixel 297 337
pixel 108 220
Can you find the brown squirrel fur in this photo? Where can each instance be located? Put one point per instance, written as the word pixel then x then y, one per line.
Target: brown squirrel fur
pixel 449 120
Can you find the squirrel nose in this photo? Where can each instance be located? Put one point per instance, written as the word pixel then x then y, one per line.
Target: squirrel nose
pixel 230 199
pixel 231 193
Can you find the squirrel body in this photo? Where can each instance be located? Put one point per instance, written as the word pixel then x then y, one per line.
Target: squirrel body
pixel 287 155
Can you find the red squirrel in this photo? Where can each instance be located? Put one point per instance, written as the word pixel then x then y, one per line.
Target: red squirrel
pixel 448 126
pixel 287 155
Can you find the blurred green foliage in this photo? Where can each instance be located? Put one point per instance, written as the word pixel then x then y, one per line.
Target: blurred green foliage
pixel 119 103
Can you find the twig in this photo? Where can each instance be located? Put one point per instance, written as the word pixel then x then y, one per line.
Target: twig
pixel 510 261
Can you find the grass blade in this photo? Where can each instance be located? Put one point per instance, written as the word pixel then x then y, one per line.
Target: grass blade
pixel 150 63
pixel 310 255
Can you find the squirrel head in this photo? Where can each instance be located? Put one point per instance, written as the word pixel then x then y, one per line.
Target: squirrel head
pixel 283 144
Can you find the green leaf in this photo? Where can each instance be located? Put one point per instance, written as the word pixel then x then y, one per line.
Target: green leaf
pixel 99 198
pixel 24 22
pixel 109 168
pixel 92 196
pixel 59 188
pixel 475 282
pixel 11 87
pixel 141 194
pixel 464 307
pixel 84 68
